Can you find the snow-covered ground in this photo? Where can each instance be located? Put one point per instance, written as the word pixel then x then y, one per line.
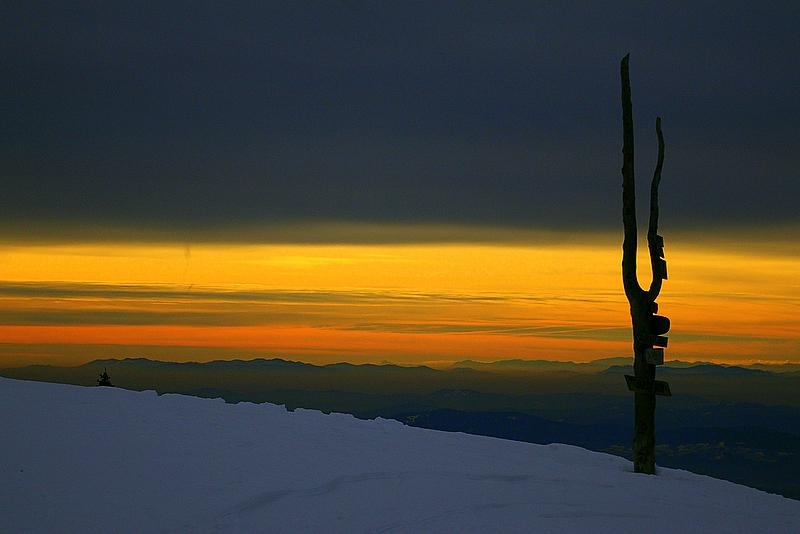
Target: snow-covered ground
pixel 76 459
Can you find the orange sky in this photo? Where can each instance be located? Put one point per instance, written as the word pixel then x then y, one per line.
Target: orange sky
pixel 409 303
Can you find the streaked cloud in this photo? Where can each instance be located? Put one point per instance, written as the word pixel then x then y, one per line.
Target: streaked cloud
pixel 402 302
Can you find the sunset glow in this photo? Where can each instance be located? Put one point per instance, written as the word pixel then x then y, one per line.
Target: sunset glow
pixel 407 303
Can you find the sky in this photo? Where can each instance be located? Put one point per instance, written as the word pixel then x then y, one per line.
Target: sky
pixel 416 182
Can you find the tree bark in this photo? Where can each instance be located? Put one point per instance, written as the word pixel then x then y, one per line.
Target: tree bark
pixel 641 301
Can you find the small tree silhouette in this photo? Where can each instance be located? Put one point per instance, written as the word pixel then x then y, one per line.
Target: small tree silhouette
pixel 104 379
pixel 647 327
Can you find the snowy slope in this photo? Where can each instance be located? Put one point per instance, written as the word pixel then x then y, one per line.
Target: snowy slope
pixel 75 459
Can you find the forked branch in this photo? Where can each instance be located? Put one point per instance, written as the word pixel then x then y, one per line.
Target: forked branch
pixel 630 281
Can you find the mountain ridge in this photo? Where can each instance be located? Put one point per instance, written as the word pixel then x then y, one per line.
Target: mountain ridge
pixel 514 364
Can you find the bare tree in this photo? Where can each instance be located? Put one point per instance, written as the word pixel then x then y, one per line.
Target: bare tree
pixel 647 327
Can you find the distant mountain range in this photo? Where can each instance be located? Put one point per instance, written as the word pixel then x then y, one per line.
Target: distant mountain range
pixel 699 369
pixel 613 364
pixel 623 364
pixel 370 388
pixel 540 365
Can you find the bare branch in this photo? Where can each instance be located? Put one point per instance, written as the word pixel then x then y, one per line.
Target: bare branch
pixel 654 244
pixel 629 279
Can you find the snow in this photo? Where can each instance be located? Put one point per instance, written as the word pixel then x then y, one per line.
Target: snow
pixel 75 459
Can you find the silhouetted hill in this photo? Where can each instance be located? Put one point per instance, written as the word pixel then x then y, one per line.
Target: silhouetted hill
pixel 518 365
pixel 776 367
pixel 221 364
pixel 245 377
pixel 260 378
pixel 699 369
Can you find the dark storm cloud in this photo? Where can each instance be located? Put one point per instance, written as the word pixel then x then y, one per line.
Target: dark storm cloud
pixel 202 114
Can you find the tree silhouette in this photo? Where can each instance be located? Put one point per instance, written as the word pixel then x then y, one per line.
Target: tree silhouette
pixel 647 327
pixel 104 379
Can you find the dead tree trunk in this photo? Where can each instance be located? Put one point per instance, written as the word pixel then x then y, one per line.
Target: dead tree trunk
pixel 647 327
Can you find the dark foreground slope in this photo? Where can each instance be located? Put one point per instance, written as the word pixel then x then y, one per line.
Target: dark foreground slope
pixel 710 426
pixel 127 461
